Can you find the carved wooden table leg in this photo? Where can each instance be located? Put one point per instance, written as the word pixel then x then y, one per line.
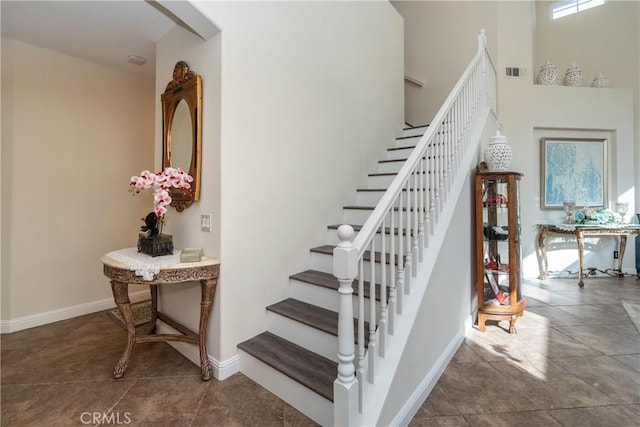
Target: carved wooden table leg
pixel 121 296
pixel 543 253
pixel 208 290
pixel 623 246
pixel 580 237
pixel 154 308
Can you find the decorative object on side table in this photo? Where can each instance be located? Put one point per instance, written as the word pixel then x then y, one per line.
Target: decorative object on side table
pixel 595 216
pixel 191 255
pixel 498 153
pixel 600 81
pixel 569 210
pixel 621 209
pixel 548 74
pixel 574 76
pixel 151 241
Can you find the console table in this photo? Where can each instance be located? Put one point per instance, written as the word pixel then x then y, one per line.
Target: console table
pixel 126 267
pixel 580 231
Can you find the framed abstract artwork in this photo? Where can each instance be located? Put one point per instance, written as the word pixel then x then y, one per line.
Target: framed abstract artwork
pixel 573 170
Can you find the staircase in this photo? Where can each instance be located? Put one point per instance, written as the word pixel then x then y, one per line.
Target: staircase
pixel 301 342
pixel 332 347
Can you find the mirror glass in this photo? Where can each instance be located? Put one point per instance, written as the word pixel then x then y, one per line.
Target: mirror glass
pixel 182 131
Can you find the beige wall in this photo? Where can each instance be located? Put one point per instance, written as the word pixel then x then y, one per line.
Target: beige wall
pixel 73 133
pixel 440 40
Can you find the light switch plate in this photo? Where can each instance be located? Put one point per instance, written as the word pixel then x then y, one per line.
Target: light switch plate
pixel 205 222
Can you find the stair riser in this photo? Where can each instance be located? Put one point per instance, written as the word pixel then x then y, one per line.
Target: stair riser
pixel 322 262
pixel 371 198
pixel 389 167
pixel 326 297
pixel 305 336
pixel 414 131
pixel 355 216
pixel 295 394
pixel 332 239
pixel 379 181
pixel 399 154
pixel 407 142
pixel 359 216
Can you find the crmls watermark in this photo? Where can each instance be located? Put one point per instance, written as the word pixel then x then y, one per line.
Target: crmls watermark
pixel 98 418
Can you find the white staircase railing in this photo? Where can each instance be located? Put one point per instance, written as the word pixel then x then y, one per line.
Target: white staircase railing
pixel 406 218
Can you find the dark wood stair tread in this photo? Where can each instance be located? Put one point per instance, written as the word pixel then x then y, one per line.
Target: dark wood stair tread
pixel 328 280
pixel 313 316
pixel 308 314
pixel 309 369
pixel 370 208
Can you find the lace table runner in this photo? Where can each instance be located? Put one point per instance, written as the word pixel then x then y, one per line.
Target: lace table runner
pixel 572 227
pixel 144 265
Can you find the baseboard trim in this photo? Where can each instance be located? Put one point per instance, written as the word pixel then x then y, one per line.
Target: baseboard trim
pixel 222 369
pixel 39 319
pixel 420 394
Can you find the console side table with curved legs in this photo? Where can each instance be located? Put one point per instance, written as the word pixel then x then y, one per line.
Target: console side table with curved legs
pixel 206 272
pixel 582 231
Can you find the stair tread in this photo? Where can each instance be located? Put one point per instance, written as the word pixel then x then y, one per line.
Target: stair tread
pixel 309 369
pixel 328 250
pixel 328 280
pixel 370 208
pixel 415 127
pixel 309 314
pixel 312 315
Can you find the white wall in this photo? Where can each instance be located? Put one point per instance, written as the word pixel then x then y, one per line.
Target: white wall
pixel 182 302
pixel 73 133
pixel 440 40
pixel 305 88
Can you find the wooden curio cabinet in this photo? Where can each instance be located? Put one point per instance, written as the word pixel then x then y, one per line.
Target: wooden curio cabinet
pixel 498 259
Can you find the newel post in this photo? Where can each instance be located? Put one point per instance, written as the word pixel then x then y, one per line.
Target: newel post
pixel 345 387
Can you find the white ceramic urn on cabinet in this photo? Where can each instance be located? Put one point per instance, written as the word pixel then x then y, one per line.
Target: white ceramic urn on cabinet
pixel 498 154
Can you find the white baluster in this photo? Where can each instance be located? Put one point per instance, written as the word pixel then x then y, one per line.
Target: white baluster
pixel 422 243
pixel 441 172
pixel 400 265
pixel 417 212
pixel 392 272
pixel 382 326
pixel 432 188
pixel 408 258
pixel 360 370
pixel 372 347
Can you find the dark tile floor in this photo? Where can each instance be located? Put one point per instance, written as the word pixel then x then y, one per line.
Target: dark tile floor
pixel 574 362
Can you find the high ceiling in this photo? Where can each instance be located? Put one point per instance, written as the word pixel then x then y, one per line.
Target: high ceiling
pixel 104 32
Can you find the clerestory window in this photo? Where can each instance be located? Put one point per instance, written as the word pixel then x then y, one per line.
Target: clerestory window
pixel 569 7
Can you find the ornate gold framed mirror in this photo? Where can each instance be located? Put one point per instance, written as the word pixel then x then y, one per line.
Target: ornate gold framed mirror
pixel 182 131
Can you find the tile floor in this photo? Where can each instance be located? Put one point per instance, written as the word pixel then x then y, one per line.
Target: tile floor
pixel 574 362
